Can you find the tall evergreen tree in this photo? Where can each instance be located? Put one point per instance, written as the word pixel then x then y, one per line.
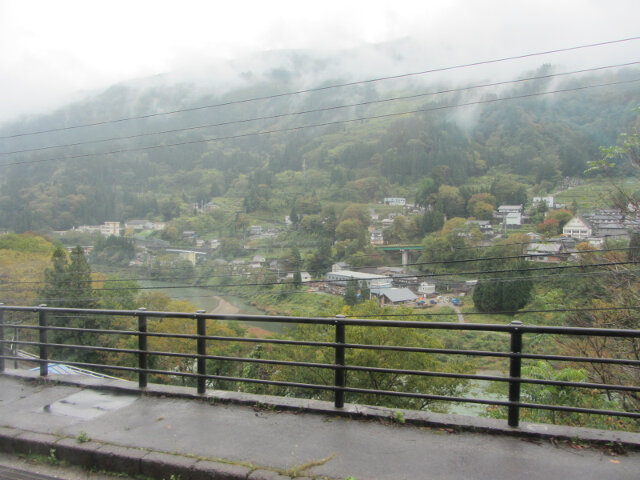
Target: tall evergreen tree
pixel 365 292
pixel 68 284
pixel 55 280
pixel 79 293
pixel 504 294
pixel 509 289
pixel 351 293
pixel 297 279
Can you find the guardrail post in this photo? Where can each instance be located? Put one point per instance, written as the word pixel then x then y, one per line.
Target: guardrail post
pixel 1 339
pixel 202 352
pixel 142 347
pixel 340 378
pixel 515 367
pixel 44 351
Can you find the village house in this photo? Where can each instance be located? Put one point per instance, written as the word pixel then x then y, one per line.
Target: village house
pixel 548 201
pixel 305 277
pixel 339 266
pixel 138 225
pixel 484 226
pixel 546 252
pixel 513 220
pixel 397 201
pixel 142 225
pixel 426 288
pixel 110 228
pixel 577 228
pixel 377 237
pixel 393 296
pixel 503 210
pixel 87 228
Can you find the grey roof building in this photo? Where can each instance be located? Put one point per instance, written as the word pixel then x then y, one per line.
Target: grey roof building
pixel 394 296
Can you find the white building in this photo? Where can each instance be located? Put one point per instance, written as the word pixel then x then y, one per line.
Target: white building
pixel 110 228
pixel 398 201
pixel 577 228
pixel 377 238
pixel 88 229
pixel 513 219
pixel 427 288
pixel 341 277
pixel 506 209
pixel 547 200
pixel 138 225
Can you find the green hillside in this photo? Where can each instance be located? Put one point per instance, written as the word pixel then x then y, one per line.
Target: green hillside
pixel 539 140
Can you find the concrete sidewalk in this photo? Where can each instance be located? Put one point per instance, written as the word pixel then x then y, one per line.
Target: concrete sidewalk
pixel 163 433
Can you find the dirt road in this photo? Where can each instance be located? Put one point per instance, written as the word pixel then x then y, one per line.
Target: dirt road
pixel 224 308
pixel 459 313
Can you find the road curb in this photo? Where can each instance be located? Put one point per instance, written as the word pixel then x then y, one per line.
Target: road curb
pixel 131 461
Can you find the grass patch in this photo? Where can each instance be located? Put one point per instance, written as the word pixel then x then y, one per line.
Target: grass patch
pixel 594 193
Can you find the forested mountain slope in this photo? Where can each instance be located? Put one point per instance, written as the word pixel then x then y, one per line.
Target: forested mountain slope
pixel 361 152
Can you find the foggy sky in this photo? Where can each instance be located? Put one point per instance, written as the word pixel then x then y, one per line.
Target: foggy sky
pixel 52 52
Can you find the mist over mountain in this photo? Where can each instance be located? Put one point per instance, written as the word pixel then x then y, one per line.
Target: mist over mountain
pixel 230 150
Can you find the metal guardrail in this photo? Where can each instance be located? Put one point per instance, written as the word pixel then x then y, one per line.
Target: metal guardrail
pixel 515 355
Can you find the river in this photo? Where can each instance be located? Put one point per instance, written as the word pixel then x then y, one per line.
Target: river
pixel 478 389
pixel 204 299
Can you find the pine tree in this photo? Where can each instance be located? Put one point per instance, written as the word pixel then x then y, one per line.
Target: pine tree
pixel 297 279
pixel 55 280
pixel 79 294
pixel 365 293
pixel 351 294
pixel 68 285
pixel 293 215
pixel 506 294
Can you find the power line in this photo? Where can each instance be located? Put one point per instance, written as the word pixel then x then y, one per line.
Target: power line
pixel 292 292
pixel 318 110
pixel 284 272
pixel 484 247
pixel 501 312
pixel 324 124
pixel 340 85
pixel 399 277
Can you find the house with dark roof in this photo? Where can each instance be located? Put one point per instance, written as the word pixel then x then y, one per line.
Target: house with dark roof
pixel 546 252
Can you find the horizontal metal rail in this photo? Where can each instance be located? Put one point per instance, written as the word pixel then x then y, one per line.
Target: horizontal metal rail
pixel 491 378
pixel 446 351
pixel 142 324
pixel 604 332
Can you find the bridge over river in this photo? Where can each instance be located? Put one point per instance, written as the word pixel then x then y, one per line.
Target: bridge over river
pixel 403 249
